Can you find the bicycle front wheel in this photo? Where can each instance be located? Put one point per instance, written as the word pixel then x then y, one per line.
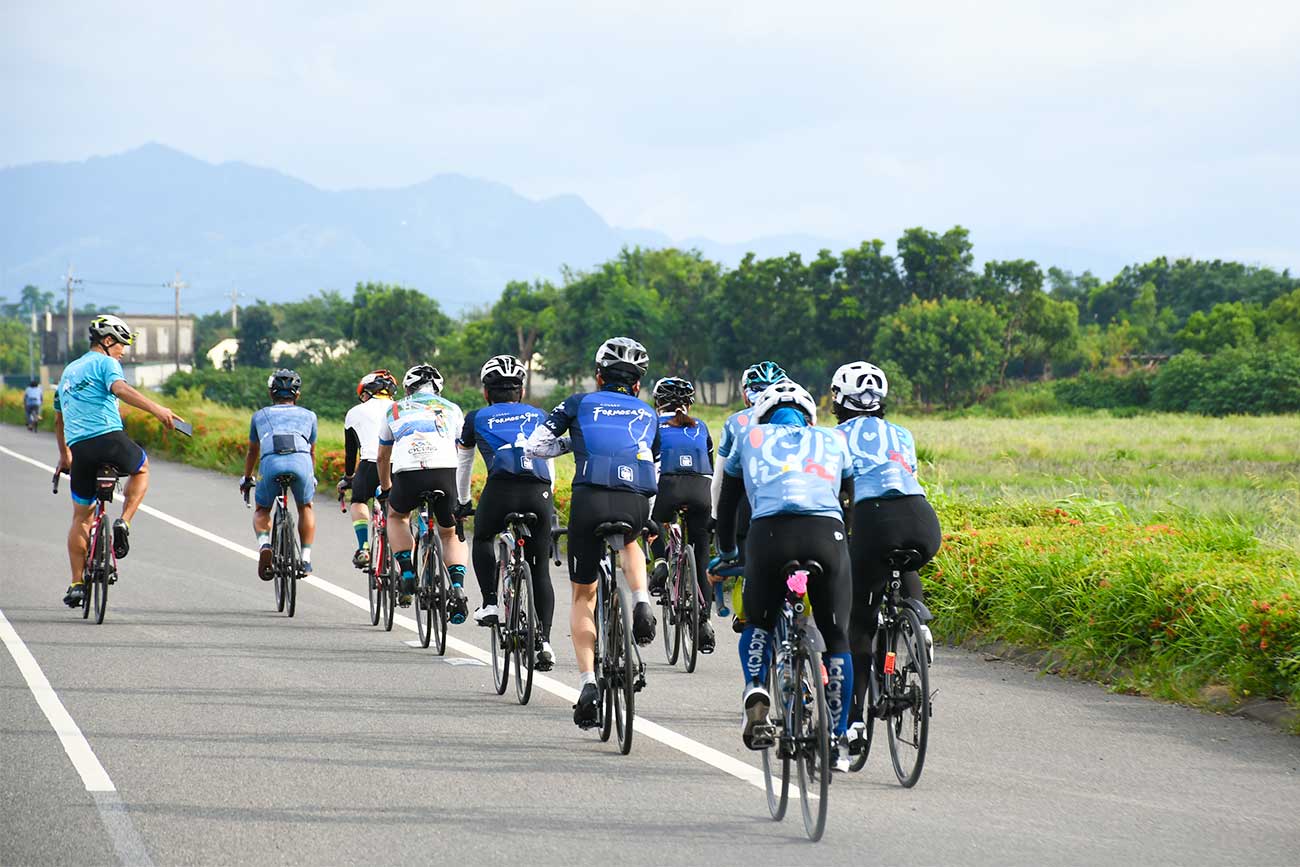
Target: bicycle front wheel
pixel 389 589
pixel 908 693
pixel 99 588
pixel 523 632
pixel 690 612
pixel 604 656
pixel 373 589
pixel 438 601
pixel 668 616
pixel 624 682
pixel 290 564
pixel 424 596
pixel 776 762
pixel 813 740
pixel 277 557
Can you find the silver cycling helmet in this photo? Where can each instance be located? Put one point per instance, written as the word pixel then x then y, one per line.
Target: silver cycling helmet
pixel 624 353
pixel 859 385
pixel 420 375
pixel 502 370
pixel 284 383
pixel 108 325
pixel 787 392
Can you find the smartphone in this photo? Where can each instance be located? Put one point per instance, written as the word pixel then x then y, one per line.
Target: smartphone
pixel 184 427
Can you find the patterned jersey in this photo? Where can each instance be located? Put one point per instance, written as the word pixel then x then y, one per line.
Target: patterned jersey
pixel 731 430
pixel 791 469
pixel 364 420
pixel 615 438
pixel 684 451
pixel 500 431
pixel 85 397
pixel 884 458
pixel 422 430
pixel 283 429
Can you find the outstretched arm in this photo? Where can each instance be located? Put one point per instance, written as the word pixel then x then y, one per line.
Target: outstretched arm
pixel 139 401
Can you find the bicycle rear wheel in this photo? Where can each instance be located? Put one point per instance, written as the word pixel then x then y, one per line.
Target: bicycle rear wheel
pixel 373 588
pixel 290 563
pixel 690 613
pixel 389 589
pixel 908 688
pixel 523 632
pixel 277 561
pixel 99 587
pixel 668 616
pixel 624 682
pixel 776 765
pixel 812 731
pixel 438 602
pixel 424 594
pixel 604 660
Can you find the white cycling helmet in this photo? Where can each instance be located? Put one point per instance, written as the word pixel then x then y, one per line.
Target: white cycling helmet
pixel 502 369
pixel 859 385
pixel 107 325
pixel 622 352
pixel 787 392
pixel 421 374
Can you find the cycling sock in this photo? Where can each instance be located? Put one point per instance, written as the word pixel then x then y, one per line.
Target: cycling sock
pixel 640 596
pixel 263 539
pixel 839 689
pixel 362 529
pixel 306 553
pixel 586 677
pixel 403 559
pixel 754 654
pixel 457 574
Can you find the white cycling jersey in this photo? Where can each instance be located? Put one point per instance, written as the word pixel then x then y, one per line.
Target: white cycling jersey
pixel 365 420
pixel 422 429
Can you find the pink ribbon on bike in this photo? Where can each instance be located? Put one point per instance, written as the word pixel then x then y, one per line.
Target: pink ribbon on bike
pixel 798 581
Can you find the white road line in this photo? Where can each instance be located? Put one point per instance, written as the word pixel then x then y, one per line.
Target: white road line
pixel 708 755
pixel 74 742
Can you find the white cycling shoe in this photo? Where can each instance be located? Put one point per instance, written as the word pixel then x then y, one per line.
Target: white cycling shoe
pixel 929 643
pixel 486 616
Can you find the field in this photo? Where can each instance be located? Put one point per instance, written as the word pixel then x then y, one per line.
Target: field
pixel 1157 553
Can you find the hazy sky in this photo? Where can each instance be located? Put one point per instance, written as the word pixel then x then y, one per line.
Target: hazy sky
pixel 1123 129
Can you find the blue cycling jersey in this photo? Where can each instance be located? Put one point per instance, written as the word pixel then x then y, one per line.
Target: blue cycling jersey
pixel 85 397
pixel 731 430
pixel 283 429
pixel 499 431
pixel 884 458
pixel 615 439
pixel 684 451
pixel 791 469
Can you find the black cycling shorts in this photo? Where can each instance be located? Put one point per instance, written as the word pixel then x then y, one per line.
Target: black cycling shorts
pixel 364 482
pixel 590 507
pixel 407 487
pixel 776 540
pixel 879 526
pixel 115 449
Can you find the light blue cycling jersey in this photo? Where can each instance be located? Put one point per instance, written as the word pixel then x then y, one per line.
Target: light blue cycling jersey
pixel 731 430
pixel 283 429
pixel 791 469
pixel 884 458
pixel 85 397
pixel 32 395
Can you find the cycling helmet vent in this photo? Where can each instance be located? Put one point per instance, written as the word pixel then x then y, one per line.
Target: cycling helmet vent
pixel 674 391
pixel 502 370
pixel 759 376
pixel 110 326
pixel 785 393
pixel 859 385
pixel 284 383
pixel 420 375
pixel 624 353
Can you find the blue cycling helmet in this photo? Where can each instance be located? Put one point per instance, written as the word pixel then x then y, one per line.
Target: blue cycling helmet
pixel 759 376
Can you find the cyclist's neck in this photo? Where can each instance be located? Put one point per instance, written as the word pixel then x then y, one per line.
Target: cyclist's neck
pixel 618 387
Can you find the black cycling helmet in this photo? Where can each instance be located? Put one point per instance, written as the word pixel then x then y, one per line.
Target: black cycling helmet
pixel 284 383
pixel 674 391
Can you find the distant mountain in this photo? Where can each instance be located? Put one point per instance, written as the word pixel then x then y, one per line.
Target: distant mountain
pixel 136 217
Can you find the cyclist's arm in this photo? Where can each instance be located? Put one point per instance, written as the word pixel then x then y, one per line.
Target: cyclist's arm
pixel 846 500
pixel 715 489
pixel 464 473
pixel 547 439
pixel 250 459
pixel 732 490
pixel 351 448
pixel 139 401
pixel 65 453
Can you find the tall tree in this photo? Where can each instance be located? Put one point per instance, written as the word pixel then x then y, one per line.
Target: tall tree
pixel 256 334
pixel 526 313
pixel 397 321
pixel 937 266
pixel 949 347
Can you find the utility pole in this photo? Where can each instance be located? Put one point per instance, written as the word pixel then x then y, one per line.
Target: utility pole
pixel 31 346
pixel 234 309
pixel 177 286
pixel 70 281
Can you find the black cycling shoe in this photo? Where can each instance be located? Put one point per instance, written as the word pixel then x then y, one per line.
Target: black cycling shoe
pixel 121 539
pixel 708 640
pixel 361 559
pixel 76 593
pixel 406 585
pixel 264 563
pixel 586 713
pixel 457 605
pixel 658 578
pixel 643 623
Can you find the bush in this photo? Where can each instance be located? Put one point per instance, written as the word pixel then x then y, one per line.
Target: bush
pixel 1231 382
pixel 1104 390
pixel 1037 398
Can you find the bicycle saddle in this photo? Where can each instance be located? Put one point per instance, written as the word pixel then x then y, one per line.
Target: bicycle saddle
pixel 284 479
pixel 812 567
pixel 528 519
pixel 614 528
pixel 905 559
pixel 431 496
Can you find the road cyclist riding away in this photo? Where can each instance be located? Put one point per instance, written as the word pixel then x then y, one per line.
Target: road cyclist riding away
pixel 685 471
pixel 793 474
pixel 890 512
pixel 283 436
pixel 515 483
pixel 361 425
pixel 88 429
pixel 417 453
pixel 756 377
pixel 32 397
pixel 614 437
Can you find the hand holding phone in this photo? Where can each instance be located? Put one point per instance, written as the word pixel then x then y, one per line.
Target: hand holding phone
pixel 184 427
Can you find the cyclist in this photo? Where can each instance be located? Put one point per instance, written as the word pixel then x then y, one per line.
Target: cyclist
pixel 793 474
pixel 88 430
pixel 361 440
pixel 417 453
pixel 615 442
pixel 890 511
pixel 685 467
pixel 515 483
pixel 283 435
pixel 32 403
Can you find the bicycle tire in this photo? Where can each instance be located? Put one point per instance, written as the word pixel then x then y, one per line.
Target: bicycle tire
pixel 292 564
pixel 776 801
pixel 604 665
pixel 913 712
pixel 389 589
pixel 624 692
pixel 668 612
pixel 277 568
pixel 442 581
pixel 373 589
pixel 498 632
pixel 87 569
pixel 99 589
pixel 813 759
pixel 423 594
pixel 690 611
pixel 524 632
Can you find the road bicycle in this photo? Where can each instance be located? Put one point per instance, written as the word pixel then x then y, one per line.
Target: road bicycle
pixel 286 548
pixel 381 572
pixel 620 673
pixel 100 570
pixel 433 588
pixel 898 689
pixel 799 729
pixel 682 601
pixel 516 634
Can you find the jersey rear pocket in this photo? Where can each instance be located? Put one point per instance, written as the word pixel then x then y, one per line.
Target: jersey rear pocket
pixel 284 444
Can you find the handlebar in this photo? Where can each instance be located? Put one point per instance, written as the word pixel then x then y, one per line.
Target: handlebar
pixel 556 532
pixel 55 480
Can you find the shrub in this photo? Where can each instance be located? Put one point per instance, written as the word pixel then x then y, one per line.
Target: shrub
pixel 1231 382
pixel 1104 390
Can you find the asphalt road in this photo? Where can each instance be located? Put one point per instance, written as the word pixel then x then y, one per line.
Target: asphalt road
pixel 232 734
